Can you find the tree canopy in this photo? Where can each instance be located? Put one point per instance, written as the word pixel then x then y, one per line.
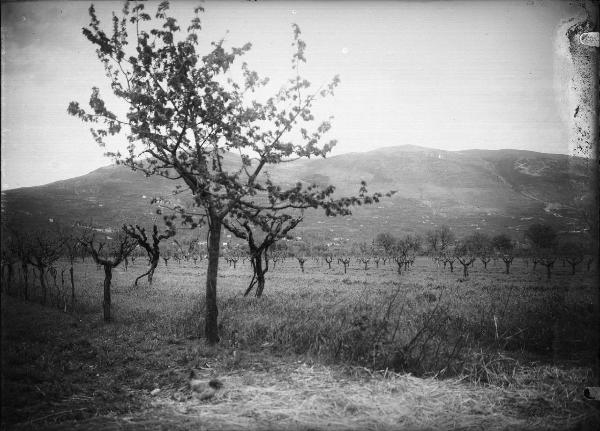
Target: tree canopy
pixel 189 117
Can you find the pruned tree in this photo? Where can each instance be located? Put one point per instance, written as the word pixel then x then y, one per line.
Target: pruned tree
pixel 345 260
pixel 573 253
pixel 261 231
pixel 365 261
pixel 46 247
pixel 449 258
pixel 504 247
pixel 481 245
pixel 72 249
pixel 546 257
pixel 543 241
pixel 108 252
pixel 7 260
pixel 404 251
pixel 152 247
pixel 190 118
pixel 301 261
pixel 16 248
pixel 466 252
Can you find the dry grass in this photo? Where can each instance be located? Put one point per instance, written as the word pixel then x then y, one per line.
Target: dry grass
pixel 289 371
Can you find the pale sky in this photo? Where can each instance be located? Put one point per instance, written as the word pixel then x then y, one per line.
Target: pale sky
pixel 450 75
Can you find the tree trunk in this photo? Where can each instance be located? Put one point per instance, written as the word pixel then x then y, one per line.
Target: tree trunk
pixel 465 270
pixel 150 273
pixel 107 281
pixel 212 312
pixel 72 288
pixel 10 276
pixel 260 272
pixel 25 272
pixel 260 283
pixel 507 264
pixel 451 266
pixel 43 283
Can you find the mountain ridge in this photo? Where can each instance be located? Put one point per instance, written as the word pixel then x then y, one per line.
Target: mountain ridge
pixel 489 190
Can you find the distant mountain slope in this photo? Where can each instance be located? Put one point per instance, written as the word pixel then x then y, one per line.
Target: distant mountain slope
pixel 503 190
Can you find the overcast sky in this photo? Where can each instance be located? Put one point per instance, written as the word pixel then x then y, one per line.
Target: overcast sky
pixel 449 75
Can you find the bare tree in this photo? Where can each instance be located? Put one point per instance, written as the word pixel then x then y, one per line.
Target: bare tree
pixel 573 253
pixel 46 248
pixel 108 252
pixel 504 246
pixel 466 253
pixel 269 227
pixel 344 261
pixel 152 248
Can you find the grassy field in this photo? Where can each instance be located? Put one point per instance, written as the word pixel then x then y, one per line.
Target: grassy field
pixel 427 349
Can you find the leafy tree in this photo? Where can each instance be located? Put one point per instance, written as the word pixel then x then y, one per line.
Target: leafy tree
pixel 187 118
pixel 386 241
pixel 445 237
pixel 503 243
pixel 541 236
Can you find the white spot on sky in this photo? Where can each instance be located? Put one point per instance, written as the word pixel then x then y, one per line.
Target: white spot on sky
pixel 293 11
pixel 344 50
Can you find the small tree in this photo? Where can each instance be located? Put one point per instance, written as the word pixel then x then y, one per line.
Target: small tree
pixel 271 228
pixel 152 248
pixel 365 261
pixel 46 248
pixel 108 252
pixel 17 246
pixel 466 253
pixel 481 245
pixel 345 260
pixel 504 246
pixel 72 250
pixel 573 253
pixel 386 241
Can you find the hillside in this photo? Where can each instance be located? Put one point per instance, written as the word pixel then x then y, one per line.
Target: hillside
pixel 501 190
